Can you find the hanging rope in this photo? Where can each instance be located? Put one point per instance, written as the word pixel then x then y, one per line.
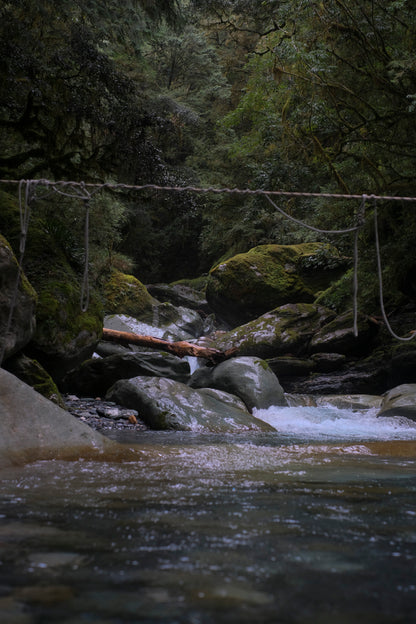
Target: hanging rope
pixel 85 191
pixel 380 282
pixel 26 199
pixel 85 288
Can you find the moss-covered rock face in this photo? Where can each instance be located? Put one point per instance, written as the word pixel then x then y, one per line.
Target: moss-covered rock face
pixel 284 330
pixel 23 301
pixel 249 284
pixel 125 294
pixel 65 335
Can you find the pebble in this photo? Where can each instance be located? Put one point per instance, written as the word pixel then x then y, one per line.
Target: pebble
pixel 104 415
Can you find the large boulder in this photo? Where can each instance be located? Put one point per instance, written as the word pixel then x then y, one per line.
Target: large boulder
pixel 125 294
pixel 33 428
pixel 23 324
pixel 268 276
pixel 400 401
pixel 168 404
pixel 282 331
pixel 95 376
pixel 249 378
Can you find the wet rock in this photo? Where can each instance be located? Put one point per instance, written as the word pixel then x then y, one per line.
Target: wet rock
pixel 353 380
pixel 291 366
pixel 400 401
pixel 354 402
pixel 337 336
pixel 328 362
pixel 249 284
pixel 249 378
pixel 95 376
pixel 164 321
pixel 167 404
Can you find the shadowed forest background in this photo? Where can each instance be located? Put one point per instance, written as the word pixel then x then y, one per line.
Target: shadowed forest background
pixel 296 96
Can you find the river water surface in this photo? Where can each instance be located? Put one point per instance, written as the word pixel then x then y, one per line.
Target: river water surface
pixel 314 524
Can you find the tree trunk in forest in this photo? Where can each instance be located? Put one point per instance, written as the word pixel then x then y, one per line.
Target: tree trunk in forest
pixel 180 348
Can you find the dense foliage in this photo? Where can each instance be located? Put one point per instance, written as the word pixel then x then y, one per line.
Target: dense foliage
pixel 302 96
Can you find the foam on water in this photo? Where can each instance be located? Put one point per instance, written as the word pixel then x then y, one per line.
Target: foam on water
pixel 332 423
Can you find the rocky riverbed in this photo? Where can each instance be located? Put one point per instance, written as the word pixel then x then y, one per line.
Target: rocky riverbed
pixel 104 415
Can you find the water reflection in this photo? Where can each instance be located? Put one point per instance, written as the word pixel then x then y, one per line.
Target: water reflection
pixel 209 528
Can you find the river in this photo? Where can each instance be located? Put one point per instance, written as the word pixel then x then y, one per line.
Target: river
pixel 313 524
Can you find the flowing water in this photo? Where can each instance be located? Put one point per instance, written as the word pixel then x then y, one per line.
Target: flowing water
pixel 314 524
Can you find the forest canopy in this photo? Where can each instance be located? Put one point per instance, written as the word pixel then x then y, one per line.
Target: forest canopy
pixel 299 96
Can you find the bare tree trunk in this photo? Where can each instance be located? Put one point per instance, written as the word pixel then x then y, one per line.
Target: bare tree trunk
pixel 180 348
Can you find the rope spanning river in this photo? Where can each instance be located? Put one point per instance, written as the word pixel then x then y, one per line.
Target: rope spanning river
pixel 313 524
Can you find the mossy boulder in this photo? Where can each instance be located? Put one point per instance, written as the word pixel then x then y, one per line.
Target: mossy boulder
pixel 125 294
pixel 34 375
pixel 250 284
pixel 282 331
pixel 23 301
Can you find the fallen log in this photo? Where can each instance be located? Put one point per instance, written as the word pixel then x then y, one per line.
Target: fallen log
pixel 180 348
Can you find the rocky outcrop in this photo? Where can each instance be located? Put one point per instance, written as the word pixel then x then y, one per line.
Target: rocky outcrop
pixel 22 326
pixel 284 330
pixel 95 376
pixel 337 336
pixel 33 428
pixel 249 378
pixel 268 276
pixel 168 404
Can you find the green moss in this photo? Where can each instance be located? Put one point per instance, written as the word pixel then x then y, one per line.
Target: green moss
pixel 125 294
pixel 32 373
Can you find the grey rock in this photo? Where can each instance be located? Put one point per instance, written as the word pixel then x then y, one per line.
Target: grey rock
pixel 33 428
pixel 168 404
pixel 400 401
pixel 249 378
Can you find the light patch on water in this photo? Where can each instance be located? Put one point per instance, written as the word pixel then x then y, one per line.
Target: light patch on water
pixel 332 423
